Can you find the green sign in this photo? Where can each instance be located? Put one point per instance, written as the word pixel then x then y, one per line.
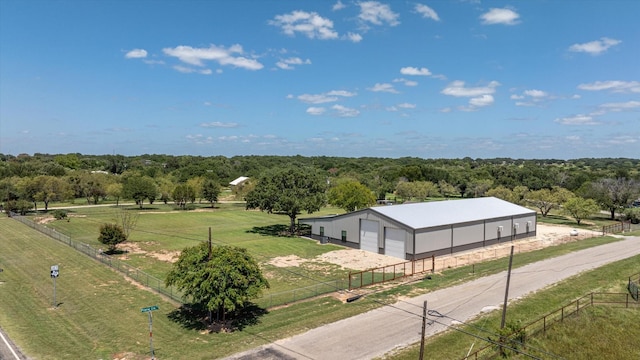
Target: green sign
pixel 149 308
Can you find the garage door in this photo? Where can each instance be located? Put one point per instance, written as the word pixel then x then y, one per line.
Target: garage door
pixel 394 243
pixel 369 235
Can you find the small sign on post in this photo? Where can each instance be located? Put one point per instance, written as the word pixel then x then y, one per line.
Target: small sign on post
pixel 54 274
pixel 150 309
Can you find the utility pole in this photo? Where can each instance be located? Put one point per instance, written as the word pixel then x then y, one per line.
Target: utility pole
pixel 506 292
pixel 424 325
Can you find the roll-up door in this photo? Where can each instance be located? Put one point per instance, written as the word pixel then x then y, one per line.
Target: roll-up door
pixel 369 235
pixel 394 242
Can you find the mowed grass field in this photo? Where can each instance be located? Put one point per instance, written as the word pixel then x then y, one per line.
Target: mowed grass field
pixel 99 311
pixel 163 232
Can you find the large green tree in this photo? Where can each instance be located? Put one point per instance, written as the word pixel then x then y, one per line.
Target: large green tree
pixel 580 208
pixel 614 194
pixel 222 278
pixel 210 191
pixel 351 195
pixel 138 188
pixel 290 191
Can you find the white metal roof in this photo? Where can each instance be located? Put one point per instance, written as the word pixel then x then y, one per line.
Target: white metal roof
pixel 239 180
pixel 446 212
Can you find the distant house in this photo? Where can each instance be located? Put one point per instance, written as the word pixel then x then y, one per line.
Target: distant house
pixel 239 181
pixel 420 230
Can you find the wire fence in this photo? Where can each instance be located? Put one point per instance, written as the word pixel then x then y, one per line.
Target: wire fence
pixel 546 322
pixel 138 275
pixel 267 300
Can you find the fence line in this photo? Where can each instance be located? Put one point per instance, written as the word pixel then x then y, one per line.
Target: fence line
pixel 387 273
pixel 152 282
pixel 544 323
pixel 616 228
pixel 138 275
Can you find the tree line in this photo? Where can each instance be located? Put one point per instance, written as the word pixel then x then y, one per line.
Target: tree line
pixel 350 183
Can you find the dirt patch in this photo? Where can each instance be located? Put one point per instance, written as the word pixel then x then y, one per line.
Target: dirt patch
pixel 287 261
pixel 358 259
pixel 44 219
pixel 162 255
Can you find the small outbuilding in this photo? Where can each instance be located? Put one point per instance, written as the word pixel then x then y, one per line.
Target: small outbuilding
pixel 420 230
pixel 239 181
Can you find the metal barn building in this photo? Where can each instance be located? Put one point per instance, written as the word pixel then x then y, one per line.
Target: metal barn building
pixel 419 230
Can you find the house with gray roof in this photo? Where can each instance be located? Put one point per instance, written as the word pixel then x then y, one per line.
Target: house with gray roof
pixel 420 230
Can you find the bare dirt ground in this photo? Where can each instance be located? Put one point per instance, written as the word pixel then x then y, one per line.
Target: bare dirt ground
pixel 547 235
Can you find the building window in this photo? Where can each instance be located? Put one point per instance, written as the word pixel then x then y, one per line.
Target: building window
pixel 321 230
pixel 344 235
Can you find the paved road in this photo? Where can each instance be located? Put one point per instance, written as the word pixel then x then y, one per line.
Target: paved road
pixel 379 331
pixel 8 350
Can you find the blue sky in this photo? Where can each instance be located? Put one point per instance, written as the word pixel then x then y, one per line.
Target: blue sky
pixel 430 79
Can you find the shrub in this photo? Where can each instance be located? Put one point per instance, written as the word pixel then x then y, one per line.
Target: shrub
pixel 59 214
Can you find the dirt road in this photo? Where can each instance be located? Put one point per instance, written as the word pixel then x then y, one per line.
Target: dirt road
pixel 379 331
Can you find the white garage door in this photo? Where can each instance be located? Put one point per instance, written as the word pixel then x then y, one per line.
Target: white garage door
pixel 394 243
pixel 369 235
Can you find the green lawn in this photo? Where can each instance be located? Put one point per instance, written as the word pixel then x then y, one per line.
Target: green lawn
pixel 161 229
pixel 99 314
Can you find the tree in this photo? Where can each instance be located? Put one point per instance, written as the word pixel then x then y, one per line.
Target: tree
pixel 614 194
pixel 447 189
pixel 503 193
pixel 115 190
pixel 210 191
pixel 182 194
pixel 138 188
pixel 545 199
pixel 223 279
pixel 51 188
pixel 351 195
pixel 127 220
pixel 580 208
pixel 111 235
pixel 290 191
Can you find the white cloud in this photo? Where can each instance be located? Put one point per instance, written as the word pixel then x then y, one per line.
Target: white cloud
pixel 535 93
pixel 407 106
pixel 316 110
pixel 595 47
pixel 218 124
pixel 480 101
pixel 331 96
pixel 516 97
pixel 344 111
pixel 415 71
pixel 354 37
pixel 406 82
pixel 376 13
pixel 341 93
pixel 383 88
pixel 500 16
pixel 338 6
pixel 309 24
pixel 136 54
pixel 317 99
pixel 577 120
pixel 458 89
pixel 613 85
pixel 223 56
pixel 289 64
pixel 391 108
pixel 190 70
pixel 620 106
pixel 426 12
